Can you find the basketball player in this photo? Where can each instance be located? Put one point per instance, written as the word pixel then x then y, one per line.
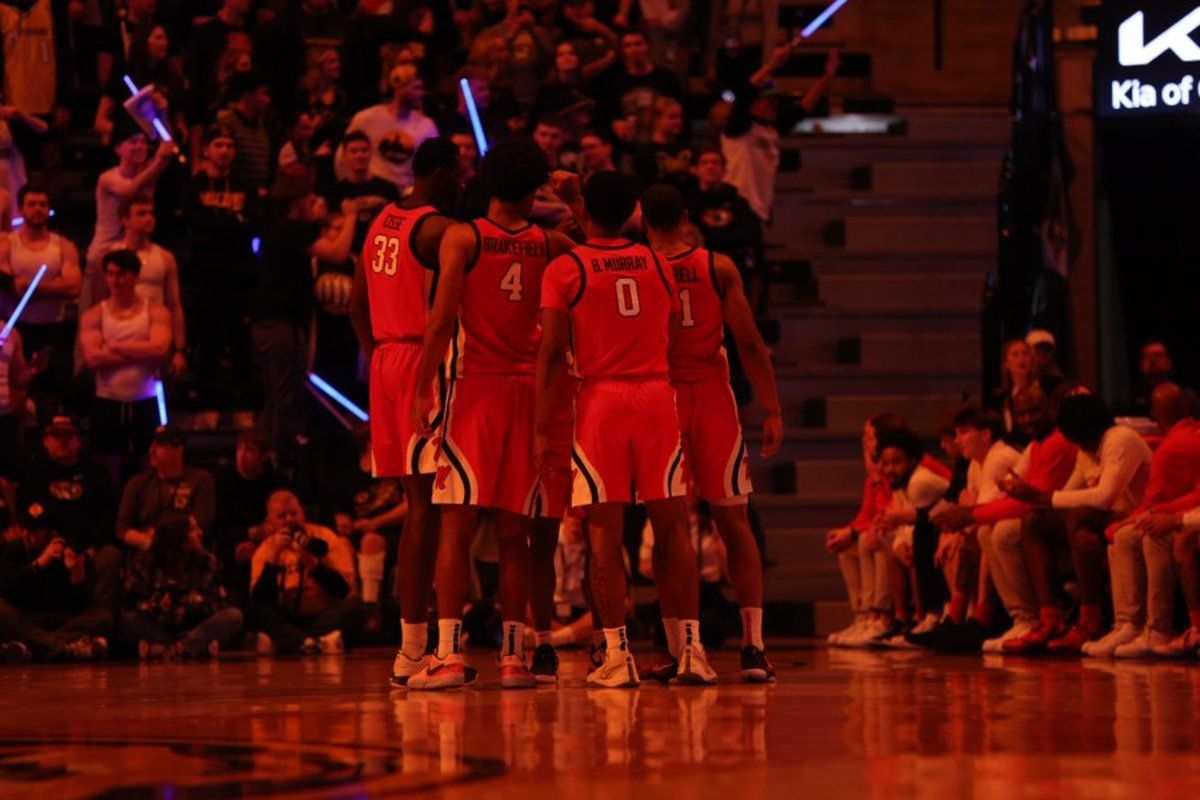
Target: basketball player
pixel 392 286
pixel 711 297
pixel 615 304
pixel 489 287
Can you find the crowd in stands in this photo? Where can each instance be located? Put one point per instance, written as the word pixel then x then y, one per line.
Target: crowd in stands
pixel 197 179
pixel 1052 526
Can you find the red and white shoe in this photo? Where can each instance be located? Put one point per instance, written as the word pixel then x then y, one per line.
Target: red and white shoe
pixel 1035 641
pixel 514 674
pixel 1072 641
pixel 450 672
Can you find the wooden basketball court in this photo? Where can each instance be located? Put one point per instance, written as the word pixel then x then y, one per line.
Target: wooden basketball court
pixel 837 724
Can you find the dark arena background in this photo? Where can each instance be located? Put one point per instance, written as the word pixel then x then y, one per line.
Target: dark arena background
pixel 599 398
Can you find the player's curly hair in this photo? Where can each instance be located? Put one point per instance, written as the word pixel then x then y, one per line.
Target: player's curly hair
pixel 513 169
pixel 610 198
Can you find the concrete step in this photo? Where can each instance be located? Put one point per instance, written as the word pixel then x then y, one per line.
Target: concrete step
pixel 953 351
pixel 894 263
pixel 921 234
pixel 976 179
pixel 922 412
pixel 796 383
pixel 801 444
pixel 912 291
pixel 792 545
pixel 834 162
pixel 815 219
pixel 803 582
pixel 790 511
pixel 839 477
pixel 953 126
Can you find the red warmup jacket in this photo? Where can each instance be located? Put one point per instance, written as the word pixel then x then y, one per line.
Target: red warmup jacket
pixel 877 495
pixel 1051 462
pixel 1174 483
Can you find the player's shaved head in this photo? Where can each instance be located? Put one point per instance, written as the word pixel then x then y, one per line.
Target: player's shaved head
pixel 432 155
pixel 514 169
pixel 663 208
pixel 609 199
pixel 1169 403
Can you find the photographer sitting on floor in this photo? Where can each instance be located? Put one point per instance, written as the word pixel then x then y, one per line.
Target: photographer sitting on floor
pixel 302 583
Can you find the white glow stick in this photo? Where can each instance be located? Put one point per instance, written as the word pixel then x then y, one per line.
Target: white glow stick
pixel 12 321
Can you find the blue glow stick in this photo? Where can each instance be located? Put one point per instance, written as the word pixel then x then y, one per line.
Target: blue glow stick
pixel 480 139
pixel 337 397
pixel 161 397
pixel 822 18
pixel 163 133
pixel 133 89
pixel 16 314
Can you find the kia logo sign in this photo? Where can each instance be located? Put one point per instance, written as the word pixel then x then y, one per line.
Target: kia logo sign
pixel 1148 64
pixel 1134 51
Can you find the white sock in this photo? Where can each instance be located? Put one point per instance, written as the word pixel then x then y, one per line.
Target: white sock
pixel 542 637
pixel 513 643
pixel 414 636
pixel 671 629
pixel 752 627
pixel 449 631
pixel 616 640
pixel 370 572
pixel 689 633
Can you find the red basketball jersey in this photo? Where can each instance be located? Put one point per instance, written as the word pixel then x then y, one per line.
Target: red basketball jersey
pixel 620 299
pixel 498 316
pixel 697 351
pixel 399 283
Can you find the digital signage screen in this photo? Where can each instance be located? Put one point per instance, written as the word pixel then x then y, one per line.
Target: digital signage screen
pixel 1149 59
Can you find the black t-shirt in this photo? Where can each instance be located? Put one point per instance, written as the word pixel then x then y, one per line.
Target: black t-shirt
pixel 222 216
pixel 727 222
pixel 242 502
pixel 655 162
pixel 382 191
pixel 628 95
pixel 285 278
pixel 81 497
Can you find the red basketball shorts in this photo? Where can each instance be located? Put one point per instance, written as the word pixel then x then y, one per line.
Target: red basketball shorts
pixel 397 450
pixel 718 465
pixel 485 457
pixel 627 447
pixel 554 483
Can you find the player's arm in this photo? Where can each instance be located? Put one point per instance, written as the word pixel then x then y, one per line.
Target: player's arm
pixel 551 379
pixel 752 350
pixel 360 310
pixel 457 248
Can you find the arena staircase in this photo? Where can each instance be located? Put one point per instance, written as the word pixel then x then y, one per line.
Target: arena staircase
pixel 879 248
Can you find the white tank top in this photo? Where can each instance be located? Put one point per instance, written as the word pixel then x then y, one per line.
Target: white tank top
pixel 25 264
pixel 6 353
pixel 128 382
pixel 152 280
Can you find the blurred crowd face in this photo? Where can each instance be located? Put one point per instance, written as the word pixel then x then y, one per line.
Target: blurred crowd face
pixel 305 128
pixel 284 511
pixel 250 459
pixel 134 150
pixel 669 122
pixel 710 170
pixel 550 139
pixel 895 466
pixel 166 459
pixel 467 152
pixel 1156 361
pixel 972 442
pixel 1018 362
pixel 157 43
pixel 36 209
pixel 596 153
pixel 566 60
pixel 635 51
pixel 140 219
pixel 358 156
pixel 331 65
pixel 62 446
pixel 119 282
pixel 220 152
pixel 1031 412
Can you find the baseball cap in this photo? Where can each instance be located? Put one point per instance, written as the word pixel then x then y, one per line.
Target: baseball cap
pixel 168 434
pixel 1039 336
pixel 61 424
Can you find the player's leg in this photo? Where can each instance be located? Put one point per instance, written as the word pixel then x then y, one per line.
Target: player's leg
pixel 669 611
pixel 414 574
pixel 543 544
pixel 1183 546
pixel 452 578
pixel 512 536
pixel 1041 532
pixel 745 572
pixel 606 577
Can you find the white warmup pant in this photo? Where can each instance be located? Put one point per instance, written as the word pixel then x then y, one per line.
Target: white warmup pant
pixel 1143 579
pixel 1001 546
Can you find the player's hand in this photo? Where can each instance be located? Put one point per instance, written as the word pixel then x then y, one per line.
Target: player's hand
pixel 954 518
pixel 1156 526
pixel 166 150
pixel 772 430
pixel 422 410
pixel 947 550
pixel 839 539
pixel 565 185
pixel 1016 487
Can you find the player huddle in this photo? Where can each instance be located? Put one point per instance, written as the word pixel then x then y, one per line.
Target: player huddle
pixel 518 373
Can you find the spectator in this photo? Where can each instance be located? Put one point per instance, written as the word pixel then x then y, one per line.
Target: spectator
pixel 757 119
pixel 15 379
pixel 304 149
pixel 396 128
pixel 664 157
pixel 158 279
pixel 302 582
pixel 174 603
pixel 37 65
pixel 209 40
pixel 47 612
pixel 322 94
pixel 595 154
pixel 1017 372
pixel 77 492
pixel 631 86
pixel 283 311
pixel 665 22
pixel 1155 366
pixel 243 489
pixel 568 79
pixel 498 111
pixel 47 333
pixel 357 183
pixel 249 103
pixel 149 65
pixel 727 223
pixel 293 37
pixel 223 211
pixel 168 487
pixel 124 341
pixel 595 43
pixel 531 48
pixel 133 175
pixel 12 163
pixel 1109 479
pixel 1045 357
pixel 548 134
